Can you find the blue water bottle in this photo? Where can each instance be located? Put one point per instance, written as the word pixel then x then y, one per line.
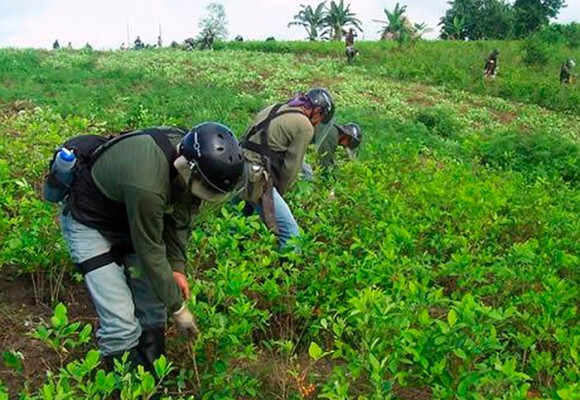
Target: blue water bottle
pixel 61 176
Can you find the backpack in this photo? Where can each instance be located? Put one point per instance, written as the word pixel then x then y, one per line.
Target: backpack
pixel 87 149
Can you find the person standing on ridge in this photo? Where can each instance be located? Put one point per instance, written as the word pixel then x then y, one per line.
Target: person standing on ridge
pixel 566 71
pixel 490 69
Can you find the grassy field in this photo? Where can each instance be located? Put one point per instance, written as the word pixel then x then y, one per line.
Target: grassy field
pixel 442 264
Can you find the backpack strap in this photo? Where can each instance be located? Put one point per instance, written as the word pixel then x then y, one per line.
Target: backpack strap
pixel 262 148
pixel 160 138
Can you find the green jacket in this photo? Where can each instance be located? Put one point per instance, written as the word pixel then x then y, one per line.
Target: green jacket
pixel 135 172
pixel 289 133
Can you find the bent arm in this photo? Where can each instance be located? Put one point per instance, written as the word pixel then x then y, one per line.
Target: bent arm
pixel 145 211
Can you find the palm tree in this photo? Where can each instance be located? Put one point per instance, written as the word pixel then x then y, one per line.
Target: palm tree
pixel 311 19
pixel 395 25
pixel 420 30
pixel 458 28
pixel 338 17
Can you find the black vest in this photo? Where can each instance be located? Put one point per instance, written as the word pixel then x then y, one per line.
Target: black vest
pixel 92 208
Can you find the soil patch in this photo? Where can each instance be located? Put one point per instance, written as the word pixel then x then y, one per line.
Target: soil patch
pixel 20 314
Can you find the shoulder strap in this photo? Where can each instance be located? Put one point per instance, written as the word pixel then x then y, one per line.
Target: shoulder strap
pixel 160 138
pixel 262 127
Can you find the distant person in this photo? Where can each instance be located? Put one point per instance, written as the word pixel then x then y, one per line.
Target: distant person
pixel 565 71
pixel 88 46
pixel 490 69
pixel 69 46
pixel 349 37
pixel 56 45
pixel 138 44
pixel 350 51
pixel 189 44
pixel 159 41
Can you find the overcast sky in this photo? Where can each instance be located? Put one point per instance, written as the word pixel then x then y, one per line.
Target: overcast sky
pixel 104 23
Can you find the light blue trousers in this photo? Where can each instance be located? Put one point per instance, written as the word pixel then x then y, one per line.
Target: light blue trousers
pixel 122 295
pixel 287 225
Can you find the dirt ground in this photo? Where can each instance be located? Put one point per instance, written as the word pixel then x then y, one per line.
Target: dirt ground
pixel 20 314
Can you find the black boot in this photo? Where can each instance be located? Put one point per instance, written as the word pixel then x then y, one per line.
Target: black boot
pixel 133 359
pixel 151 346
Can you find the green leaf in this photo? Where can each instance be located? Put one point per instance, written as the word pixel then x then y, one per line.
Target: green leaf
pixel 375 364
pixel 92 359
pixel 460 353
pixel 424 317
pixel 148 383
pixel 452 317
pixel 220 366
pixel 85 334
pixel 13 359
pixel 160 366
pixel 60 316
pixel 315 351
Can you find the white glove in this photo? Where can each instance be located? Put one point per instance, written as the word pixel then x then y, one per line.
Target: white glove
pixel 183 319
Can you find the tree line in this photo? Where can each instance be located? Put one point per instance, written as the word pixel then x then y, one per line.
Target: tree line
pixel 464 20
pixel 497 19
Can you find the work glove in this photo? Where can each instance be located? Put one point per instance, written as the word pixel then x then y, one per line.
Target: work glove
pixel 185 322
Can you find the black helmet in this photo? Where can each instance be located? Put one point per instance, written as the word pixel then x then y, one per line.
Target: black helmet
pixel 354 131
pixel 214 149
pixel 320 97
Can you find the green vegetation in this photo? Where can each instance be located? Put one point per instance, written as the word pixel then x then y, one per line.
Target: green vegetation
pixel 460 67
pixel 443 262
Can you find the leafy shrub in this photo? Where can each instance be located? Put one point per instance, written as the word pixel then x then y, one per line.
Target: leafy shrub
pixel 534 152
pixel 567 34
pixel 439 121
pixel 536 51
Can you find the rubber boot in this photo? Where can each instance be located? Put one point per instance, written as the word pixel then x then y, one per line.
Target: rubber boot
pixel 151 346
pixel 134 358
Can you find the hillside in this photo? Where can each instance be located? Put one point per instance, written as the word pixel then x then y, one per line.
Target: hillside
pixel 442 264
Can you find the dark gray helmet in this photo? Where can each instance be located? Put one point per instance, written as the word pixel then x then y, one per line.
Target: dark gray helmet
pixel 354 131
pixel 320 97
pixel 215 151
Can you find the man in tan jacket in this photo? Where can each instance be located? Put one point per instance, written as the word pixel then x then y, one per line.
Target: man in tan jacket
pixel 274 146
